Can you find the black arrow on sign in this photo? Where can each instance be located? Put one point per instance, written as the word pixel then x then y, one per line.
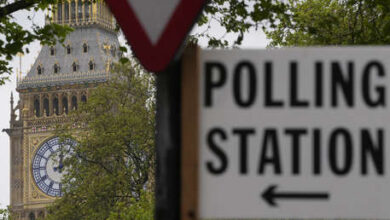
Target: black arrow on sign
pixel 269 195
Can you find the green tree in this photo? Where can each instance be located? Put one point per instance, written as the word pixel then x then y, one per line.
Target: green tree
pixel 113 163
pixel 332 22
pixel 236 17
pixel 13 37
pixel 4 214
pixel 141 209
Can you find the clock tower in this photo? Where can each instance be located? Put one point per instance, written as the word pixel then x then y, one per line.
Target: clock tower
pixel 60 79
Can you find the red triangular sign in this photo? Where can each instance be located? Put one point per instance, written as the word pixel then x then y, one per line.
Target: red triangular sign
pixel 155 29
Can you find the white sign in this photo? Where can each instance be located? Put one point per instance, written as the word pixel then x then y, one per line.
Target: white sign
pixel 295 133
pixel 154 16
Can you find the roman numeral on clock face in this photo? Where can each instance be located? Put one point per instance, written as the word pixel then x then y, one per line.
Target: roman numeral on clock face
pixel 43 178
pixel 50 185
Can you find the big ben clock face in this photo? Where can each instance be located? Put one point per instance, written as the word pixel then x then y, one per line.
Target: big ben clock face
pixel 47 166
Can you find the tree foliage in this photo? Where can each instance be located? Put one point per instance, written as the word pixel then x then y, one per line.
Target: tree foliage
pixel 113 163
pixel 141 209
pixel 4 214
pixel 13 37
pixel 332 22
pixel 236 17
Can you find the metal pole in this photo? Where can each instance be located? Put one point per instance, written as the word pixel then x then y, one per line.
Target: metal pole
pixel 168 143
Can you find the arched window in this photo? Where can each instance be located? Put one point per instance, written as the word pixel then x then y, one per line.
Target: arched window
pixel 74 103
pixel 59 12
pixel 91 65
pixel 73 10
pixel 56 68
pixel 52 51
pixel 84 98
pixel 39 70
pixel 36 108
pixel 85 48
pixel 74 67
pixel 86 10
pixel 55 106
pixel 46 106
pixel 68 49
pixel 66 8
pixel 65 105
pixel 80 10
pixel 31 216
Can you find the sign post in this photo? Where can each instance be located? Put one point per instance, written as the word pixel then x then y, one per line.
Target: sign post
pixel 168 138
pixel 189 133
pixel 291 133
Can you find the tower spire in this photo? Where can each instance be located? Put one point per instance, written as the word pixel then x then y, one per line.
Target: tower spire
pixel 13 115
pixel 19 71
pixel 12 100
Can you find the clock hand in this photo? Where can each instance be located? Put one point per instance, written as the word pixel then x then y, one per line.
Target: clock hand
pixel 60 165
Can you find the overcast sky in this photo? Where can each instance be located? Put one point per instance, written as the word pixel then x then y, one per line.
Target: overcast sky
pixel 255 39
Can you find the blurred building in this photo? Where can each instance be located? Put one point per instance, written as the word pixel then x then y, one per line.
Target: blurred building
pixel 60 79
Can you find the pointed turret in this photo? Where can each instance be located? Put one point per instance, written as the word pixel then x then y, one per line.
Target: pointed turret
pixel 12 101
pixel 13 114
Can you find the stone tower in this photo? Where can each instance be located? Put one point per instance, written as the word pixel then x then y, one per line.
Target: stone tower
pixel 59 80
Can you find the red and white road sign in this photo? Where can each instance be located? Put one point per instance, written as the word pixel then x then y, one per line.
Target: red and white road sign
pixel 156 29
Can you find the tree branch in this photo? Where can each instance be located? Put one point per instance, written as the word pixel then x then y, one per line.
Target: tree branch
pixel 16 6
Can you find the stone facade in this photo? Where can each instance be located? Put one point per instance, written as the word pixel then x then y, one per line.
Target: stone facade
pixel 59 80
